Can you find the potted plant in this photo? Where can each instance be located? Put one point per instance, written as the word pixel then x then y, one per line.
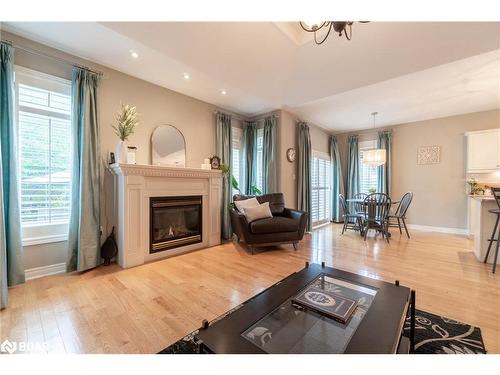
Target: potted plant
pixel 474 187
pixel 226 172
pixel 126 122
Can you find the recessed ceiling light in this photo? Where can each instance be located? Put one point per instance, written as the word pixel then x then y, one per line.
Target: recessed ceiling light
pixel 186 76
pixel 134 54
pixel 223 92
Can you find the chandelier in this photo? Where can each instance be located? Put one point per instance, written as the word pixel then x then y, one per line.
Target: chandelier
pixel 376 156
pixel 340 27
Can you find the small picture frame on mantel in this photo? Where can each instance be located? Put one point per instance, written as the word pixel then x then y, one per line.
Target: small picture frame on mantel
pixel 429 155
pixel 215 162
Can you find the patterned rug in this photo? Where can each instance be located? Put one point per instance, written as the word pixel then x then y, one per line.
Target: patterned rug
pixel 436 334
pixel 433 335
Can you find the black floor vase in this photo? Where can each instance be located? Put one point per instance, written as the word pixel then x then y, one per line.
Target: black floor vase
pixel 109 248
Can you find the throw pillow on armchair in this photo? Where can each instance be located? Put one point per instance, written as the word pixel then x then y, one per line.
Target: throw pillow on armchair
pixel 262 211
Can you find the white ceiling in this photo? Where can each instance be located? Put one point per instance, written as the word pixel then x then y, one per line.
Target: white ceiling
pixel 396 69
pixel 464 86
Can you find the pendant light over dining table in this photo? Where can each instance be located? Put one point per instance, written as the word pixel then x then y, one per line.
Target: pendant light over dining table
pixel 376 156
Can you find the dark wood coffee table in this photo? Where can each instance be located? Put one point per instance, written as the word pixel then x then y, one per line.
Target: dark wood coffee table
pixel 269 323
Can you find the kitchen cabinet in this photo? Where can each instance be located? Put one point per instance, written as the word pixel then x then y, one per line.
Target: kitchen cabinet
pixel 483 151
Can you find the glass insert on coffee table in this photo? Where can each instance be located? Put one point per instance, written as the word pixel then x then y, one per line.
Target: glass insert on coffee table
pixel 293 329
pixel 318 309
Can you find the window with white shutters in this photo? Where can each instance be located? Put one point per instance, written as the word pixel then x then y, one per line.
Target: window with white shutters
pixel 259 161
pixel 321 189
pixel 367 173
pixel 43 106
pixel 236 156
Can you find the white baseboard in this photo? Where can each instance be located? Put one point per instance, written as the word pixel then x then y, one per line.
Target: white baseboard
pixel 428 228
pixel 53 269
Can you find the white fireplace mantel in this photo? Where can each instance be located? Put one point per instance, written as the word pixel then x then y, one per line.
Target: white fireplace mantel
pixel 137 183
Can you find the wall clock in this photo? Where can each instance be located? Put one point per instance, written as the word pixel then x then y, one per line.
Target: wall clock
pixel 290 155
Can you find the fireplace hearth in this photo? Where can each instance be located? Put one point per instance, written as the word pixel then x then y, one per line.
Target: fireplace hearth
pixel 175 222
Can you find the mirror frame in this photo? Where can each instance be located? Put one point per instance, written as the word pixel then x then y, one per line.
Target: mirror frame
pixel 151 144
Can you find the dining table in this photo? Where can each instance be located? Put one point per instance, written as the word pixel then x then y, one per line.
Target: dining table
pixel 364 202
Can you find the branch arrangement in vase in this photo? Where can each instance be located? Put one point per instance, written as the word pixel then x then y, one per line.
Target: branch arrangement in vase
pixel 126 122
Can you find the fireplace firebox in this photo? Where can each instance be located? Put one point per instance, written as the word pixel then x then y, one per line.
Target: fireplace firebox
pixel 175 222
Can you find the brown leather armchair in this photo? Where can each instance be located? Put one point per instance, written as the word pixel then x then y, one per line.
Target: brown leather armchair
pixel 286 225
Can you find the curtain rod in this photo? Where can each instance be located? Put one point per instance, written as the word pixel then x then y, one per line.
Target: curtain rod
pixel 259 118
pixel 365 132
pixel 237 117
pixel 60 59
pixel 233 116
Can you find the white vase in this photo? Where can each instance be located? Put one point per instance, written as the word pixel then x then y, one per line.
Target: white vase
pixel 121 152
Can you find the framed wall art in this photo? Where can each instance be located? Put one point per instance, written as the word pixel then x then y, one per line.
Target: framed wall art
pixel 428 155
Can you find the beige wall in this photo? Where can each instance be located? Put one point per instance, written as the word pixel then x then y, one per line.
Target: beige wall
pixel 439 189
pixel 320 139
pixel 156 105
pixel 287 139
pixel 288 171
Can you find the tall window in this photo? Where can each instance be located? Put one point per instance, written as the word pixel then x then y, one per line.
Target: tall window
pixel 321 188
pixel 259 161
pixel 367 173
pixel 236 156
pixel 43 106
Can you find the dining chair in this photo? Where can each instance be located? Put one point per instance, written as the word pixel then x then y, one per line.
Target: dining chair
pixel 359 207
pixel 377 214
pixel 400 213
pixel 351 220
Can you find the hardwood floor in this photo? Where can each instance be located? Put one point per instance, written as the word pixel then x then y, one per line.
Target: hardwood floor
pixel 144 309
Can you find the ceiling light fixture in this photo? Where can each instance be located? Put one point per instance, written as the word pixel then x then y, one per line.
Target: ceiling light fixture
pixel 376 156
pixel 223 92
pixel 186 76
pixel 340 27
pixel 134 54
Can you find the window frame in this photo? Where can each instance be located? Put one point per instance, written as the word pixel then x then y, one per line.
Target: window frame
pixel 327 188
pixel 365 146
pixel 259 158
pixel 38 233
pixel 237 137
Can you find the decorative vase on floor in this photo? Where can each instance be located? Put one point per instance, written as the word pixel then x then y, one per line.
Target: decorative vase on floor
pixel 121 152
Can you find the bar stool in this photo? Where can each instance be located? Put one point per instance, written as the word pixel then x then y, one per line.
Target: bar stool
pixel 496 211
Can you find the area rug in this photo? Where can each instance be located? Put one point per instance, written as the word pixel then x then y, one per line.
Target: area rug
pixel 434 334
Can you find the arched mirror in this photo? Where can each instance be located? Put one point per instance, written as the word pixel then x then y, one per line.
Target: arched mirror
pixel 168 147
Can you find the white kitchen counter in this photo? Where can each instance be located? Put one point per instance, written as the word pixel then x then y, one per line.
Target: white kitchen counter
pixel 481 224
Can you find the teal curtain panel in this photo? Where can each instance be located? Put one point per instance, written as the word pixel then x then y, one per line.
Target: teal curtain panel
pixel 384 171
pixel 249 143
pixel 11 249
pixel 352 166
pixel 84 227
pixel 304 202
pixel 4 287
pixel 223 149
pixel 337 179
pixel 269 156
